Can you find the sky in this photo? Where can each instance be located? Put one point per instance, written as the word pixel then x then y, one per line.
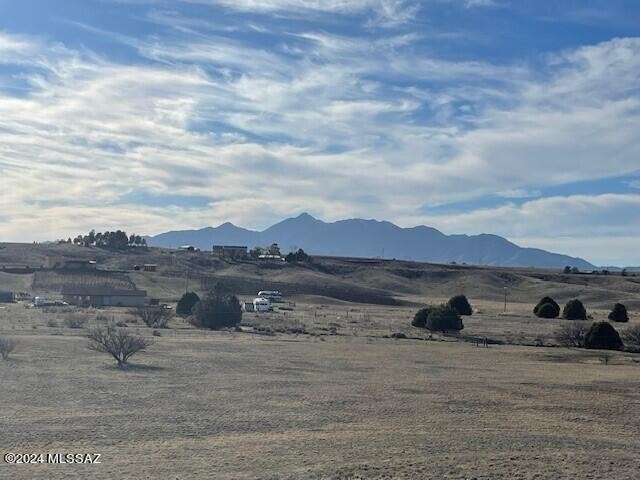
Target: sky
pixel 510 117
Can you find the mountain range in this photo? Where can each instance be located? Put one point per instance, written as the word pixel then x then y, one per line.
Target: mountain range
pixel 371 238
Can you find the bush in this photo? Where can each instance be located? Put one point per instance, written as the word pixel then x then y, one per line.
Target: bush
pixel 632 336
pixel 619 313
pixel 548 313
pixel 298 256
pixel 548 310
pixel 186 303
pixel 116 342
pixel 217 311
pixel 460 304
pixel 155 317
pixel 7 345
pixel 420 318
pixel 75 321
pixel 443 319
pixel 571 335
pixel 574 310
pixel 602 335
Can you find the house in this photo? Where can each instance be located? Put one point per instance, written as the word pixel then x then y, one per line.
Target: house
pixel 100 296
pixel 230 251
pixel 63 263
pixel 7 297
pixel 188 248
pixel 147 267
pixel 270 257
pixel 262 305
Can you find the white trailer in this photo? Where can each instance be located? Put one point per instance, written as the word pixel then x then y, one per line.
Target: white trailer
pixel 262 305
pixel 271 295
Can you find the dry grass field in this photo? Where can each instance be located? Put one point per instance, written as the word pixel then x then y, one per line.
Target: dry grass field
pixel 318 389
pixel 201 404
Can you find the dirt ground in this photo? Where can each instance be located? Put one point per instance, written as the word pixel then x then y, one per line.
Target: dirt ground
pixel 342 401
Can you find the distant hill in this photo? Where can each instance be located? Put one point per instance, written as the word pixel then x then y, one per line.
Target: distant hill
pixel 371 238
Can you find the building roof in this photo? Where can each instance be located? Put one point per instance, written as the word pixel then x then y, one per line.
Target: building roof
pixel 231 246
pixel 90 290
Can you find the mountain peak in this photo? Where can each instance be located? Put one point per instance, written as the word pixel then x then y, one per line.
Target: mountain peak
pixel 372 238
pixel 305 216
pixel 227 225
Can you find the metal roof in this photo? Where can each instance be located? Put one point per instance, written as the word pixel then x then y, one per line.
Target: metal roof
pixel 93 290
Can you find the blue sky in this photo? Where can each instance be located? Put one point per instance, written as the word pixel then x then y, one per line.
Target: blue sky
pixel 510 117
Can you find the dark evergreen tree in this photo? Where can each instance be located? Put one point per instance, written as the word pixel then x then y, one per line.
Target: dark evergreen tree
pixel 619 313
pixel 548 312
pixel 460 304
pixel 217 311
pixel 574 310
pixel 602 335
pixel 186 303
pixel 443 319
pixel 420 318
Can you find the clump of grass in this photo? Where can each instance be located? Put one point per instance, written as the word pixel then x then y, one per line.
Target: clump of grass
pixel 75 321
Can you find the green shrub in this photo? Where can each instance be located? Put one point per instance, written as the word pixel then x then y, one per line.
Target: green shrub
pixel 443 318
pixel 619 313
pixel 548 310
pixel 186 303
pixel 420 318
pixel 602 335
pixel 548 313
pixel 574 310
pixel 217 311
pixel 460 304
pixel 298 256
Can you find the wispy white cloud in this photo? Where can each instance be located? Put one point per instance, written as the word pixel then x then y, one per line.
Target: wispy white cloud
pixel 582 225
pixel 485 3
pixel 336 124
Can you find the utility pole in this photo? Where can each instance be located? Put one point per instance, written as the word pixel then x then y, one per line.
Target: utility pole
pixel 505 299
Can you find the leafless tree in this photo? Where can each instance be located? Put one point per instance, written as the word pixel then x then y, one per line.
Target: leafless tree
pixel 7 345
pixel 117 342
pixel 571 334
pixel 75 321
pixel 631 337
pixel 155 317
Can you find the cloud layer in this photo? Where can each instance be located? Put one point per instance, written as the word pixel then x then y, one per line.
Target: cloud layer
pixel 264 120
